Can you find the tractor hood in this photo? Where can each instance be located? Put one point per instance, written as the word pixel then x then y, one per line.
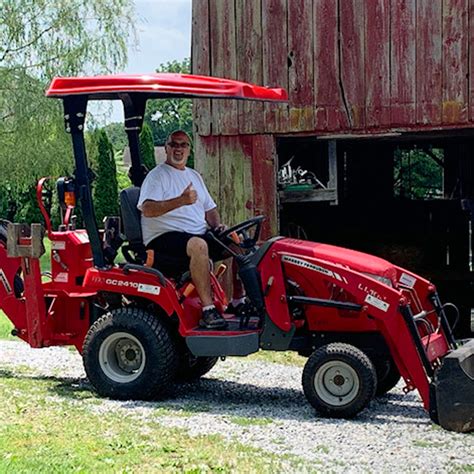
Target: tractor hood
pixel 375 267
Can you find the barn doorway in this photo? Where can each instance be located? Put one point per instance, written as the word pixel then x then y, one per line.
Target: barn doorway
pixel 406 199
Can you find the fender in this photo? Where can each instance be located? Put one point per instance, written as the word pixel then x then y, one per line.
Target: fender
pixel 136 283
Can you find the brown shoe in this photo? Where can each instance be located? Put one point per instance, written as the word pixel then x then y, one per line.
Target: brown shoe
pixel 211 319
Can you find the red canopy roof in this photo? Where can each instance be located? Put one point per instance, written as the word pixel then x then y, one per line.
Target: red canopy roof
pixel 161 85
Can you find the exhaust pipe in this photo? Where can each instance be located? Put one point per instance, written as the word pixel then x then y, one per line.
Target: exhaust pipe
pixel 453 392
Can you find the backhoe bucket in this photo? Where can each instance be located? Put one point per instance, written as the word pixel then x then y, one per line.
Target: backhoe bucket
pixel 454 390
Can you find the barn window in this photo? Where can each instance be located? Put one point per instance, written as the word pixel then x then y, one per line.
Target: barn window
pixel 418 173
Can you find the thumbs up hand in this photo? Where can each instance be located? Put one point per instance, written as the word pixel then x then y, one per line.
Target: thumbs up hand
pixel 189 195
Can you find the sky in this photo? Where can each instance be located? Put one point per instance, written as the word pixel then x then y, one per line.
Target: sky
pixel 164 34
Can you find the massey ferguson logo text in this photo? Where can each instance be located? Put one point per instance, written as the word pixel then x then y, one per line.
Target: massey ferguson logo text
pixel 313 267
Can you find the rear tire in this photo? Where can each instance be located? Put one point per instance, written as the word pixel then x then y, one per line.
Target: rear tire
pixel 129 354
pixel 192 368
pixel 339 380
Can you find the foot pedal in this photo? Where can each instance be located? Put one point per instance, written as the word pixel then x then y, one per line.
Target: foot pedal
pixel 244 313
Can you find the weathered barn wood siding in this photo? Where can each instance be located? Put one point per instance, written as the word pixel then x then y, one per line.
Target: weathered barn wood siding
pixel 403 62
pixel 348 65
pixel 240 174
pixel 428 62
pixel 455 54
pixel 275 57
pixel 200 57
pixel 222 37
pixel 328 102
pixel 249 50
pixel 377 74
pixel 301 65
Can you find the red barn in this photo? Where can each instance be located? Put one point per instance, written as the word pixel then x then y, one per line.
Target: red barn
pixel 380 93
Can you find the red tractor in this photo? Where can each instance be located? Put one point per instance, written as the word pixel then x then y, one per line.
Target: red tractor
pixel 362 322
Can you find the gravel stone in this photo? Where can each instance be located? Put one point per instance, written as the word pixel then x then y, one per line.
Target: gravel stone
pixel 262 405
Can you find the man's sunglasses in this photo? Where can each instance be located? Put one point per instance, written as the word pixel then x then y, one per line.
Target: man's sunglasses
pixel 179 145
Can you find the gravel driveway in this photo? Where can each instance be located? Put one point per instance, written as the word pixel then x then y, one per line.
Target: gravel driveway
pixel 262 405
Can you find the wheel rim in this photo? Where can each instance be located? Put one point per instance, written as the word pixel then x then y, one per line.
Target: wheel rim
pixel 122 357
pixel 336 383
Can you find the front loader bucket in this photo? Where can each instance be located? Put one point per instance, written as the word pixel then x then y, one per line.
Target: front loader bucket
pixel 454 390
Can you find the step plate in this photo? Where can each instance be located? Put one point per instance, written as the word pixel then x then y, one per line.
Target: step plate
pixel 232 328
pixel 220 345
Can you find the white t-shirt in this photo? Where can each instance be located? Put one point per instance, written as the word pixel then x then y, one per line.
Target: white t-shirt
pixel 166 182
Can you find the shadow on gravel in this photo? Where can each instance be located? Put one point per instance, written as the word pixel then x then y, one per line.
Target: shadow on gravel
pixel 220 397
pixel 227 397
pixel 64 386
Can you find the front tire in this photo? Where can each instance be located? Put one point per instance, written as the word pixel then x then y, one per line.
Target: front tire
pixel 129 354
pixel 339 380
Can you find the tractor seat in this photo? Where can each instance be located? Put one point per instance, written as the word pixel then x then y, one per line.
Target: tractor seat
pixel 134 251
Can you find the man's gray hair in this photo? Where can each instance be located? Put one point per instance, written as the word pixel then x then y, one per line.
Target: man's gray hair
pixel 179 132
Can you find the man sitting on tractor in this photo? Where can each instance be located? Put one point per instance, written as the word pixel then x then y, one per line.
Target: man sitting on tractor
pixel 177 211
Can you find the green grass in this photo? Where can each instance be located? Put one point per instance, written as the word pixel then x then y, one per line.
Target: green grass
pixel 277 357
pixel 461 468
pixel 249 421
pixel 421 443
pixel 6 327
pixel 45 260
pixel 322 448
pixel 49 427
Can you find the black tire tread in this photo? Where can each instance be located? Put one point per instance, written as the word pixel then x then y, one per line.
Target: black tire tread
pixel 189 373
pixel 349 354
pixel 191 368
pixel 386 378
pixel 156 379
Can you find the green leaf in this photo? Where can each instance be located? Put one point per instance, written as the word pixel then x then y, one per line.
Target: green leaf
pixel 39 40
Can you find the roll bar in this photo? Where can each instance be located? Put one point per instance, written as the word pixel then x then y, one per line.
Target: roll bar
pixel 134 91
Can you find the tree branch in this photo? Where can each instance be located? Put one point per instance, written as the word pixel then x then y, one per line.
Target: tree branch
pixel 433 157
pixel 30 43
pixel 4 117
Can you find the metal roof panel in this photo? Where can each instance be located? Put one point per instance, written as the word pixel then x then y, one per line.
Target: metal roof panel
pixel 161 85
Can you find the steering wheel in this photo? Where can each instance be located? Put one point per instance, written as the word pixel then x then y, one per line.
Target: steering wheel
pixel 248 242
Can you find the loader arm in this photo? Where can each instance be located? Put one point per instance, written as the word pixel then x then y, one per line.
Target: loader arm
pixel 401 306
pixel 343 295
pixel 384 309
